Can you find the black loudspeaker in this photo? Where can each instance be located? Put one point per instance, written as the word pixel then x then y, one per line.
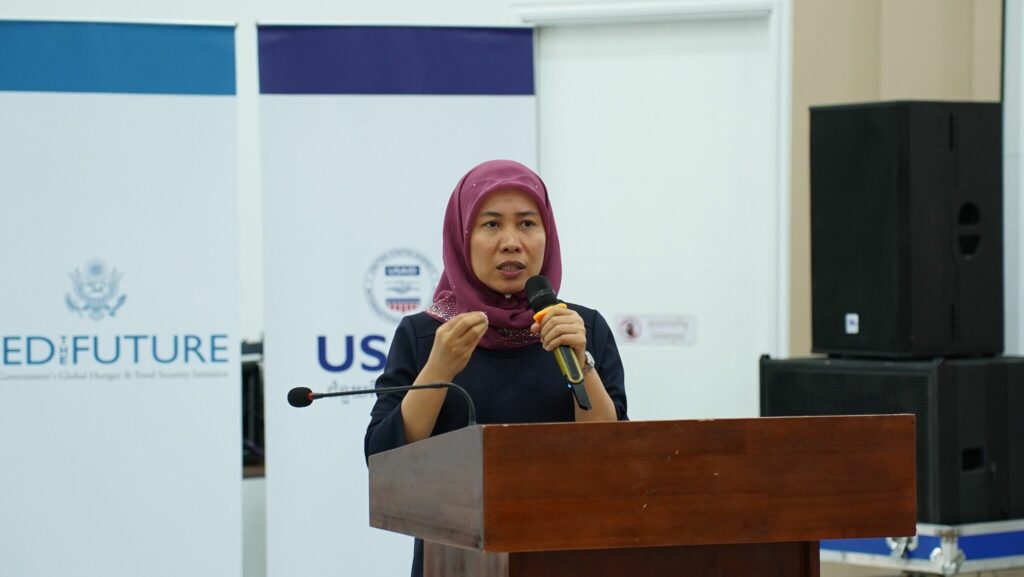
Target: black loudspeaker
pixel 906 229
pixel 970 422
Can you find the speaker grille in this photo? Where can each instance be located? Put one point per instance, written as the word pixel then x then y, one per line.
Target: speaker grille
pixel 906 229
pixel 790 392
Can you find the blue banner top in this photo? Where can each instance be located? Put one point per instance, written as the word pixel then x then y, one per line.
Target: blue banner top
pixel 123 58
pixel 395 60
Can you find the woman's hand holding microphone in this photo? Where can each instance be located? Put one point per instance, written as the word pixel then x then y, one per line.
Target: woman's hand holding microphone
pixel 562 326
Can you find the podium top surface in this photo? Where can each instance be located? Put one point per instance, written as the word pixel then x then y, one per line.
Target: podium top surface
pixel 561 486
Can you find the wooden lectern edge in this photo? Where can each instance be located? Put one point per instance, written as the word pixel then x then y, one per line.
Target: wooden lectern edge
pixel 370 461
pixel 481 544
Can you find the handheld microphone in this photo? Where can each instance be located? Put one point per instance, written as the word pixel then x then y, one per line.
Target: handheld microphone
pixel 303 397
pixel 542 298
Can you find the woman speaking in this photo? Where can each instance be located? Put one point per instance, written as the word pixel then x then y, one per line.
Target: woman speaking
pixel 480 331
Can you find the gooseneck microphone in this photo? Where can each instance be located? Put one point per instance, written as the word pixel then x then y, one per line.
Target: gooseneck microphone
pixel 303 397
pixel 542 298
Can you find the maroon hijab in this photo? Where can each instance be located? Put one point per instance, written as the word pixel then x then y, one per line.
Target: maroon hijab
pixel 459 290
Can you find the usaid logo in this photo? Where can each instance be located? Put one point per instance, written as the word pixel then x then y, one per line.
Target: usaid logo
pixel 399 282
pixel 95 291
pixel 338 359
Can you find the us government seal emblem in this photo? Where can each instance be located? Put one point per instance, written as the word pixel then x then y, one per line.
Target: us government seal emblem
pixel 400 282
pixel 95 291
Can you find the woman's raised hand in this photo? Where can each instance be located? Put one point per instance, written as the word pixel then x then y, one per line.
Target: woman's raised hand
pixel 563 326
pixel 454 343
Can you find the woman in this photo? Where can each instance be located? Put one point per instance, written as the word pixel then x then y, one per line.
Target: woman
pixel 479 332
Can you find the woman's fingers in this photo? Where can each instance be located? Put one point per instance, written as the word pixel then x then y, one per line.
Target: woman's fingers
pixel 455 341
pixel 475 331
pixel 463 323
pixel 563 327
pixel 560 319
pixel 568 337
pixel 464 327
pixel 471 329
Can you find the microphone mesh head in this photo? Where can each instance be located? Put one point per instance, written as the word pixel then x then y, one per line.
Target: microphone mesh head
pixel 300 397
pixel 539 293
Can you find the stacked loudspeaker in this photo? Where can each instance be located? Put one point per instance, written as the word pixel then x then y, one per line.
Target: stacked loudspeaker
pixel 907 297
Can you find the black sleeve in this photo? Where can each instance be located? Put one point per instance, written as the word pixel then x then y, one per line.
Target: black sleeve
pixel 386 431
pixel 609 365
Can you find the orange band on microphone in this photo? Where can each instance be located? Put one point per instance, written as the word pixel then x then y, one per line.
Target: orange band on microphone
pixel 539 316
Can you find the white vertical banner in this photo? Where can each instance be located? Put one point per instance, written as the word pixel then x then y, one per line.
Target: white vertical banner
pixel 120 422
pixel 365 132
pixel 1013 175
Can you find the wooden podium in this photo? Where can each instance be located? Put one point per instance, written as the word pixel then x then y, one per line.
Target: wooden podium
pixel 730 497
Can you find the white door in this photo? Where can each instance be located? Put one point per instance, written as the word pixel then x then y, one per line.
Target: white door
pixel 660 143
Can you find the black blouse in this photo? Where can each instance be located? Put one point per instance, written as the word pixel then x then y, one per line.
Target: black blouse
pixel 520 385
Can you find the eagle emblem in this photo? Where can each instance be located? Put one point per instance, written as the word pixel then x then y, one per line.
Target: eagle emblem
pixel 95 291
